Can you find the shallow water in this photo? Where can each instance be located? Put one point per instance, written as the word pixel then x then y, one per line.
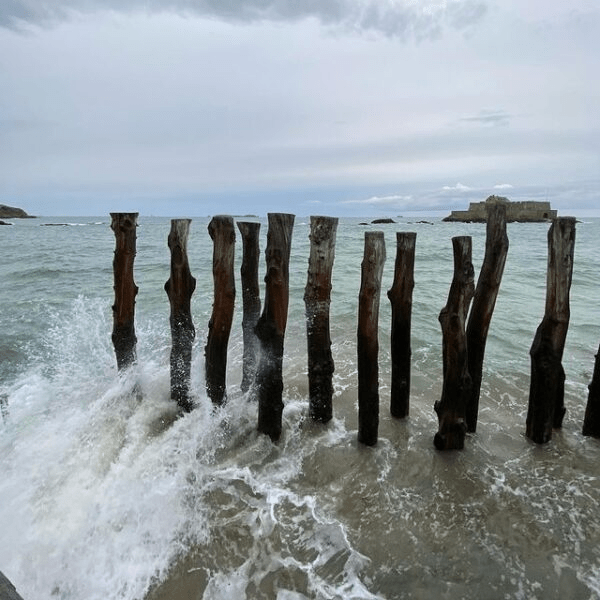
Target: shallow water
pixel 107 494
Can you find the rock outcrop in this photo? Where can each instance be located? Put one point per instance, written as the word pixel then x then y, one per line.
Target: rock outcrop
pixel 10 212
pixel 520 212
pixel 7 589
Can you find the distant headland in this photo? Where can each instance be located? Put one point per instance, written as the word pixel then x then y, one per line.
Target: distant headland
pixel 519 212
pixel 10 212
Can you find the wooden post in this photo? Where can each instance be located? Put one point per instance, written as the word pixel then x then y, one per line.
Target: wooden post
pixel 222 233
pixel 400 295
pixel 484 301
pixel 179 287
pixel 591 421
pixel 368 337
pixel 546 391
pixel 250 300
pixel 317 297
pixel 123 334
pixel 456 387
pixel 270 328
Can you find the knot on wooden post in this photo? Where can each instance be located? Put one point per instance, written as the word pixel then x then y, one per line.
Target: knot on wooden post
pixel 457 382
pixel 317 297
pixel 179 287
pixel 123 334
pixel 368 337
pixel 546 391
pixel 222 233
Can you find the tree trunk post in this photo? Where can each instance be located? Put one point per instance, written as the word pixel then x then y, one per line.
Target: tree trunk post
pixel 317 298
pixel 270 328
pixel 368 337
pixel 179 287
pixel 591 421
pixel 123 334
pixel 484 301
pixel 400 295
pixel 222 232
pixel 250 300
pixel 456 386
pixel 546 392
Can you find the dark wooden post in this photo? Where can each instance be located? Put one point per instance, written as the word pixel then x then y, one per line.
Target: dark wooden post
pixel 222 233
pixel 250 300
pixel 400 295
pixel 368 337
pixel 270 328
pixel 547 386
pixel 179 287
pixel 317 295
pixel 456 387
pixel 123 334
pixel 484 301
pixel 591 421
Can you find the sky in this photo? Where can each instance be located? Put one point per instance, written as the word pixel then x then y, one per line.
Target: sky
pixel 327 107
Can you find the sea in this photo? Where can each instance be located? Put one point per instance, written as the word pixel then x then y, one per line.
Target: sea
pixel 107 492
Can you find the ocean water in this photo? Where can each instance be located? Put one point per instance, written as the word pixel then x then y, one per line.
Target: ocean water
pixel 106 493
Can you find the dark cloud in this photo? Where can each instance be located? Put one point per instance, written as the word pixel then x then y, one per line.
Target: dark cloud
pixel 393 18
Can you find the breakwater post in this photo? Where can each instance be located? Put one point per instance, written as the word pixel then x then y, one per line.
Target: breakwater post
pixel 222 233
pixel 484 301
pixel 271 325
pixel 250 300
pixel 123 334
pixel 456 387
pixel 591 421
pixel 546 391
pixel 179 288
pixel 368 338
pixel 317 297
pixel 400 295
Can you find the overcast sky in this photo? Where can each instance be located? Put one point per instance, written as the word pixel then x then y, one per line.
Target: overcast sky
pixel 336 107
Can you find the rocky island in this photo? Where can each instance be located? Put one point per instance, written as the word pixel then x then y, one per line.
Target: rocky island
pixel 519 212
pixel 10 212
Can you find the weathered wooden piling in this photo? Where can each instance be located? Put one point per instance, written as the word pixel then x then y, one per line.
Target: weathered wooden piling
pixel 546 392
pixel 457 383
pixel 317 298
pixel 250 300
pixel 222 233
pixel 368 337
pixel 123 334
pixel 270 328
pixel 179 287
pixel 591 421
pixel 400 295
pixel 484 301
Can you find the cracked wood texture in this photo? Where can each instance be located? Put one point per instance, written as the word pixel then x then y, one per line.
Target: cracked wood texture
pixel 179 287
pixel 317 298
pixel 546 391
pixel 368 337
pixel 456 387
pixel 123 334
pixel 271 326
pixel 222 233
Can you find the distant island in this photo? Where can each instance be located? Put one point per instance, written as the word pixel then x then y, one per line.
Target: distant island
pixel 10 212
pixel 519 212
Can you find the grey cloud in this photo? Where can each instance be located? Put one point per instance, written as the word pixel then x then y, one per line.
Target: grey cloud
pixel 494 118
pixel 393 18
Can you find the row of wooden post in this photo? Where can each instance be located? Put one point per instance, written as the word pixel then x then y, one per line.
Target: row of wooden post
pixel 464 321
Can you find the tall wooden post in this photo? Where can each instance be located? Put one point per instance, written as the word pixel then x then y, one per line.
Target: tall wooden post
pixel 123 334
pixel 484 301
pixel 456 387
pixel 591 421
pixel 270 328
pixel 179 287
pixel 250 300
pixel 400 295
pixel 222 233
pixel 368 337
pixel 547 386
pixel 317 297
